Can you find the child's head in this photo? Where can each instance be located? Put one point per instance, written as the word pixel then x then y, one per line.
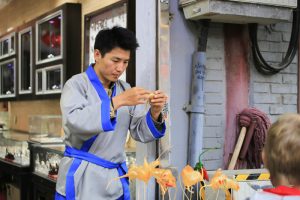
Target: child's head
pixel 282 150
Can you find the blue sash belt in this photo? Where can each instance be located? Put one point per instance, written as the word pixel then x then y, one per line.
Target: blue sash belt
pixel 80 155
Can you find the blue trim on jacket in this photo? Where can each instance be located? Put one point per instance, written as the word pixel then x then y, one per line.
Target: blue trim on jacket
pixel 156 133
pixel 83 154
pixel 108 124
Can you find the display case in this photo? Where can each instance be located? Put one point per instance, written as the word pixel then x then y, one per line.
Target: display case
pixel 14 148
pixel 8 78
pixel 57 49
pixel 14 165
pixel 49 80
pixel 42 189
pixel 46 159
pixel 45 129
pixel 49 31
pixel 8 45
pixel 25 61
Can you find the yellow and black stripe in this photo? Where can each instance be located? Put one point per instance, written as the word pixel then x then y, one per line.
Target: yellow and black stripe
pixel 251 177
pixel 248 177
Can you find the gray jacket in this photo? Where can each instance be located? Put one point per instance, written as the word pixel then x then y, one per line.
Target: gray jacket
pixel 81 112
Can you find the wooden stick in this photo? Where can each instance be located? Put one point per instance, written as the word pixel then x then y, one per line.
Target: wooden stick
pixel 237 148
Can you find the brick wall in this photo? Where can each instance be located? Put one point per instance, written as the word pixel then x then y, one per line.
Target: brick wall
pixel 276 94
pixel 215 98
pixel 273 95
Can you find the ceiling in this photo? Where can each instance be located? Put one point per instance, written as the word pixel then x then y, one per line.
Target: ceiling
pixel 3 3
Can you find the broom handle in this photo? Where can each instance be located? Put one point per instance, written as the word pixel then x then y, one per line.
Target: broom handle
pixel 237 148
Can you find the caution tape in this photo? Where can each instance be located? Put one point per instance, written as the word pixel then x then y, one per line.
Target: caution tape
pixel 251 177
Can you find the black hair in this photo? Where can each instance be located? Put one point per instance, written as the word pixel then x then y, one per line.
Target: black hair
pixel 108 39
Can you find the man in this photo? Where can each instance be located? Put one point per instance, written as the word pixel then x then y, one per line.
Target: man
pixel 98 110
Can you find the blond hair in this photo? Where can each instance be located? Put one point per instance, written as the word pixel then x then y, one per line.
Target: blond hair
pixel 282 149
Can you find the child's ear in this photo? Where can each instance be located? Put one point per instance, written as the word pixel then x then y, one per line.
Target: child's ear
pixel 263 156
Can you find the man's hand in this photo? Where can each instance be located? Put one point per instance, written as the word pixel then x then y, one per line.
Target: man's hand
pixel 131 97
pixel 157 101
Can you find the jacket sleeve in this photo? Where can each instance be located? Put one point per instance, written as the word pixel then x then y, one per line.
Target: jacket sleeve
pixel 83 116
pixel 144 129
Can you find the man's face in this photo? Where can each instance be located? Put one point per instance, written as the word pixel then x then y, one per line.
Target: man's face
pixel 112 65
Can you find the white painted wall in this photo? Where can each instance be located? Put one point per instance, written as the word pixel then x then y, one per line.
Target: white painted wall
pixel 182 45
pixel 146 78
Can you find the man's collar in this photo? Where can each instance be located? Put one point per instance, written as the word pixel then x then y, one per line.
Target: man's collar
pixel 111 85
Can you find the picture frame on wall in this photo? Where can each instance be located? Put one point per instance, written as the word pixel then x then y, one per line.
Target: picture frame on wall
pixel 25 66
